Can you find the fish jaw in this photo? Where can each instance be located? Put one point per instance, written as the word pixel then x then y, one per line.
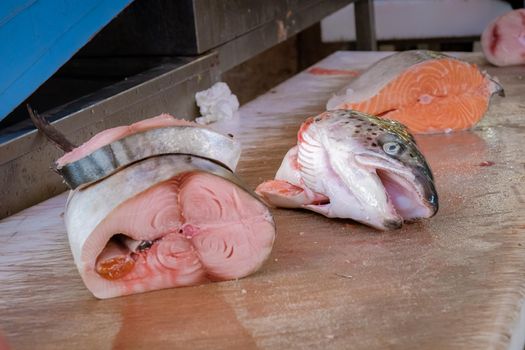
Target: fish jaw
pixel 411 192
pixel 378 193
pixel 356 192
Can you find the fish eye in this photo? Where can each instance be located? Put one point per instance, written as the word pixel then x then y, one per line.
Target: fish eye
pixel 392 148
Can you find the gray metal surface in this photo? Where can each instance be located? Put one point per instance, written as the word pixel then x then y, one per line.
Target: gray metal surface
pixel 365 28
pixel 26 177
pixel 182 27
pixel 289 20
pixel 192 27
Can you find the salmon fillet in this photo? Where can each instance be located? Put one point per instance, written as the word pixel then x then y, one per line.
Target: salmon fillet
pixel 426 91
pixel 503 41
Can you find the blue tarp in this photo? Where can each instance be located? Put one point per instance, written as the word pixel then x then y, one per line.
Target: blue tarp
pixel 38 36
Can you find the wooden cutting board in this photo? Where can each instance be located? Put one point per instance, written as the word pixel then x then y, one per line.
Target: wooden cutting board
pixel 454 281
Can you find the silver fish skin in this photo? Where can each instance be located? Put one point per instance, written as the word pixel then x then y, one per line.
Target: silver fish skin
pixel 352 165
pixel 183 139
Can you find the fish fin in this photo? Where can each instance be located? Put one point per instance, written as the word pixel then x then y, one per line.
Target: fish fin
pixel 323 209
pixel 495 86
pixel 284 194
pixel 52 134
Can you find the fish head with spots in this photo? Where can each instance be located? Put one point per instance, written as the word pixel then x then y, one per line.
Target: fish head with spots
pixel 370 169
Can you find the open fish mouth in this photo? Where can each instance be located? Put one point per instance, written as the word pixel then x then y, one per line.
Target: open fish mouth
pixel 406 199
pixel 410 194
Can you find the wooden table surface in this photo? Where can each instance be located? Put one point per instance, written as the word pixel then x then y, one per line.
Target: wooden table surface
pixel 454 281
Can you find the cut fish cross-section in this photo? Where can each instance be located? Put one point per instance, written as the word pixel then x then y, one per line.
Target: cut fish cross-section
pixel 166 221
pixel 428 92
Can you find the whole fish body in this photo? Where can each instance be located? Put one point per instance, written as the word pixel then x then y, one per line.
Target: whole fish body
pixel 348 164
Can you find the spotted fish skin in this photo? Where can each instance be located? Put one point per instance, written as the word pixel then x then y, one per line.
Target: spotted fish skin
pixel 348 164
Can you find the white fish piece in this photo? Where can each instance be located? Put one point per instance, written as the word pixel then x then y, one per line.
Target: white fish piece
pixel 164 222
pixel 503 41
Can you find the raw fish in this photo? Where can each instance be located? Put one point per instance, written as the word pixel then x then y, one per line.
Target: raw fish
pixel 166 221
pixel 503 41
pixel 428 92
pixel 347 164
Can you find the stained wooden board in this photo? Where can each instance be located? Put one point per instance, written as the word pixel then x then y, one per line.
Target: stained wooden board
pixel 454 281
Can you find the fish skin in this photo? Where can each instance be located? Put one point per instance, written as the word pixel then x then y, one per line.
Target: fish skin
pixel 337 157
pixel 385 89
pixel 179 139
pixel 378 75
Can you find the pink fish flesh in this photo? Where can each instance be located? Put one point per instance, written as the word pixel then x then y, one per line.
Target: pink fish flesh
pixel 165 220
pixel 503 41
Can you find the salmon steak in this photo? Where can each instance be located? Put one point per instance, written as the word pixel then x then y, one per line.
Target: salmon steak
pixel 166 220
pixel 503 41
pixel 351 165
pixel 428 92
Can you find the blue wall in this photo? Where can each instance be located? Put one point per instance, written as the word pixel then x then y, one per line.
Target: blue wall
pixel 39 36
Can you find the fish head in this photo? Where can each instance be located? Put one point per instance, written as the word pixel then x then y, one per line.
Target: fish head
pixel 379 177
